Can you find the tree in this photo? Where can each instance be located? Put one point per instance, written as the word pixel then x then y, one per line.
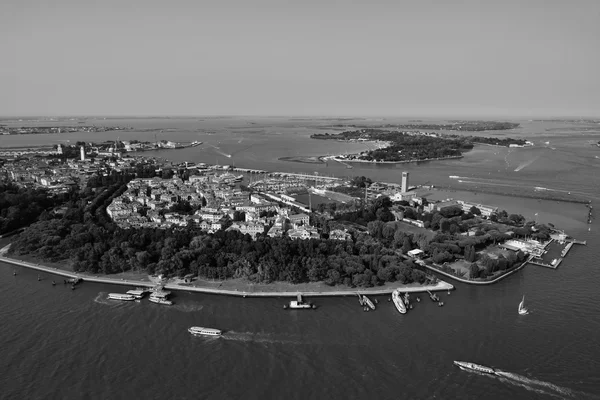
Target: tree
pixel 475 211
pixel 239 216
pixel 473 271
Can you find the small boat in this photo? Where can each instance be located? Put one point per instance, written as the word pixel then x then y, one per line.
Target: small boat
pixel 522 309
pixel 360 299
pixel 14 273
pixel 418 299
pixel 474 367
pixel 53 283
pixel 198 330
pixel 299 304
pixel 368 302
pixel 120 296
pixel 398 302
pixel 160 300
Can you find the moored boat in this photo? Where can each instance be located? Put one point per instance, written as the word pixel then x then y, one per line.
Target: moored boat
pixel 137 293
pixel 121 296
pixel 474 367
pixel 398 301
pixel 160 300
pixel 368 302
pixel 198 330
pixel 299 304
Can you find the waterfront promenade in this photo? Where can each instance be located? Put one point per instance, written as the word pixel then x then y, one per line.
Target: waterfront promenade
pixel 388 289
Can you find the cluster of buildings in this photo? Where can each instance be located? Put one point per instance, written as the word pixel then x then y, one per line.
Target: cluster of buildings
pixel 214 205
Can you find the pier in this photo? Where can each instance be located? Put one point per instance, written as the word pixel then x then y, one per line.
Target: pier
pixel 553 247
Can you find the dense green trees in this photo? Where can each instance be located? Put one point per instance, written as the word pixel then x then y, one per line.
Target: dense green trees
pixel 20 207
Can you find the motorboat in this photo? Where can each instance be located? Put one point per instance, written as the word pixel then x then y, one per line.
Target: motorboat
pixel 368 302
pixel 398 301
pixel 299 304
pixel 198 330
pixel 474 367
pixel 121 296
pixel 160 300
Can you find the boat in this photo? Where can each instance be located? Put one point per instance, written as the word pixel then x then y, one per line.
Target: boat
pixel 198 330
pixel 474 367
pixel 121 296
pixel 368 302
pixel 433 297
pixel 522 309
pixel 138 293
pixel 299 304
pixel 398 302
pixel 160 300
pixel 360 299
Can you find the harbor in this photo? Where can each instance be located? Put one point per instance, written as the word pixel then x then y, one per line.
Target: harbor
pixel 554 252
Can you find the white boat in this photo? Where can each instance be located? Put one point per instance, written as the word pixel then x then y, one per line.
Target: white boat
pixel 522 309
pixel 474 367
pixel 368 302
pixel 137 293
pixel 198 330
pixel 160 300
pixel 299 304
pixel 398 301
pixel 121 296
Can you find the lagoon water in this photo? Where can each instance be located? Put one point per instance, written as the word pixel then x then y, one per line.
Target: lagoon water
pixel 59 343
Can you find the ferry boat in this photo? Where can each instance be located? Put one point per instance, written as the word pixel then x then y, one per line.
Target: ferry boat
pixel 198 330
pixel 160 300
pixel 398 301
pixel 138 293
pixel 474 367
pixel 121 296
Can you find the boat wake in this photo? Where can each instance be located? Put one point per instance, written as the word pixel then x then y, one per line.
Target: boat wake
pixel 539 386
pixel 192 307
pixel 258 338
pixel 525 164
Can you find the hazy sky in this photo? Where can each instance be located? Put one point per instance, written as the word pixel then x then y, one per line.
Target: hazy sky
pixel 301 57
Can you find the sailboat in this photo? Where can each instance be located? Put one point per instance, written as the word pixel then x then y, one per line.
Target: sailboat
pixel 522 309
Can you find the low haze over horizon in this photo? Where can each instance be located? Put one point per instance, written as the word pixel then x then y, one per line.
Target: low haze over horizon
pixel 311 58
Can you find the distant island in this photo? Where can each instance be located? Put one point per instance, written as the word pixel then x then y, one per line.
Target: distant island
pixel 458 125
pixel 32 130
pixel 412 146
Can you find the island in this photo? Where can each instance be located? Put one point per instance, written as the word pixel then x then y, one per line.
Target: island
pixel 410 146
pixel 454 125
pixel 33 130
pixel 140 217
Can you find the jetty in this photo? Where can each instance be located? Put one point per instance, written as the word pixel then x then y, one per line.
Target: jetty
pixel 542 259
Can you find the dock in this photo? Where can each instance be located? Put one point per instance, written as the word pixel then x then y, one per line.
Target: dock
pixel 563 253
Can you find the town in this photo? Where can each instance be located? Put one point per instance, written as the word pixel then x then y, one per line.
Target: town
pixel 475 243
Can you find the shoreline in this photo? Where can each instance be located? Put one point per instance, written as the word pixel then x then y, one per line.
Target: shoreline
pixel 440 286
pixel 394 162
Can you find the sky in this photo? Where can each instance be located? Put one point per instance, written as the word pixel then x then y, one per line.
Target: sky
pixel 303 57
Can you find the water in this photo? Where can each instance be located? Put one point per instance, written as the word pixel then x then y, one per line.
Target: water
pixel 59 343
